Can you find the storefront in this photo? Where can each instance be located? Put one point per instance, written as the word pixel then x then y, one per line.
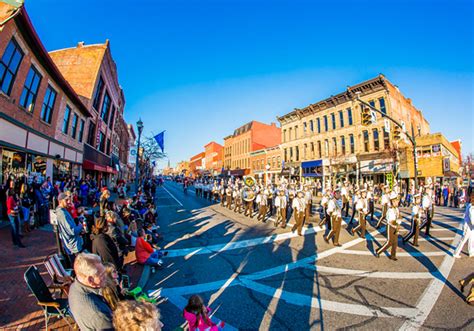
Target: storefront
pixel 313 169
pixel 376 170
pixel 21 165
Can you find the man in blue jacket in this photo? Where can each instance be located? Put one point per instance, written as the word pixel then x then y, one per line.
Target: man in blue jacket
pixel 69 232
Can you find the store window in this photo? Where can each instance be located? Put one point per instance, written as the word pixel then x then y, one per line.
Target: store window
pixel 13 164
pixel 36 167
pixel 61 170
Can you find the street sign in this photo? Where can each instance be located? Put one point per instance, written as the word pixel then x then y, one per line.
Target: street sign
pixel 389 177
pixel 404 128
pixel 386 123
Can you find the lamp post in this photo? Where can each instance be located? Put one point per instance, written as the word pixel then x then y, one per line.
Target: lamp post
pixel 137 166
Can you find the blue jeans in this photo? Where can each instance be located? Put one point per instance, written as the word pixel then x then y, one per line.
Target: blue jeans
pixel 14 228
pixel 154 258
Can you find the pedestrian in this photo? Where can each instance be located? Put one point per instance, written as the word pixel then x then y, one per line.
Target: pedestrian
pixel 69 232
pixel 103 245
pixel 136 316
pixel 197 315
pixel 14 217
pixel 468 231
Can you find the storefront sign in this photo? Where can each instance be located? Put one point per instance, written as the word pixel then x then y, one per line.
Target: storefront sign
pixel 376 166
pixel 446 165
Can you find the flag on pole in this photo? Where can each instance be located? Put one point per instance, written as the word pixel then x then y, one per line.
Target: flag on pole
pixel 160 140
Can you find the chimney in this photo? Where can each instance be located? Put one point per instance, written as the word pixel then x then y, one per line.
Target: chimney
pixel 80 44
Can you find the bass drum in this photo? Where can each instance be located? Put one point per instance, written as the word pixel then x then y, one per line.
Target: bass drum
pixel 248 194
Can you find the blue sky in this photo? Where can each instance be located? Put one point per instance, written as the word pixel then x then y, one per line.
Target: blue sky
pixel 199 69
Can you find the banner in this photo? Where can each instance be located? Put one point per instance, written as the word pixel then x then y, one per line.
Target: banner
pixel 160 140
pixel 386 123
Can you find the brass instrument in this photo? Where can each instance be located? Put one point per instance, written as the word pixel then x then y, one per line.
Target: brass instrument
pixel 248 193
pixel 250 181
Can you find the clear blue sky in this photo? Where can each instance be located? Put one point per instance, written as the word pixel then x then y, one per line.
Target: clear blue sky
pixel 199 69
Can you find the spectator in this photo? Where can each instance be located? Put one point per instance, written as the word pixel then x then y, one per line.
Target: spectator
pixel 104 200
pixel 13 216
pixel 468 231
pixel 88 306
pixel 145 253
pixel 112 291
pixel 69 232
pixel 25 201
pixel 115 230
pixel 137 316
pixel 197 316
pixel 84 191
pixel 103 245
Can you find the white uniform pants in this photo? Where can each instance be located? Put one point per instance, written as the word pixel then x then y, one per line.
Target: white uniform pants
pixel 468 237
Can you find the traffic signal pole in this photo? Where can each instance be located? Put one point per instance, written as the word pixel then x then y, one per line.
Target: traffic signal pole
pixel 411 138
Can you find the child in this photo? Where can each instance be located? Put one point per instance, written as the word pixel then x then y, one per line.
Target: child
pixel 197 315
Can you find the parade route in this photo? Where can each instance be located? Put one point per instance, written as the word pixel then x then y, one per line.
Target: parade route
pixel 278 280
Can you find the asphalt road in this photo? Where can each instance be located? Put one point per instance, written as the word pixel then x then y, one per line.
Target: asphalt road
pixel 256 277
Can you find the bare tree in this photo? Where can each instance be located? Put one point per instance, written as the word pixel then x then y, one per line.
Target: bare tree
pixel 151 150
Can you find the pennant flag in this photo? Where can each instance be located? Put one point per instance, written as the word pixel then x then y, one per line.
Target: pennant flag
pixel 160 140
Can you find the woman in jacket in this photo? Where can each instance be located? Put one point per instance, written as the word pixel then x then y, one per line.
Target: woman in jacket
pixel 103 245
pixel 13 216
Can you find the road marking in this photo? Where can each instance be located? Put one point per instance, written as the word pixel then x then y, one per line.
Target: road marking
pixel 370 274
pixel 239 244
pixel 403 254
pixel 349 308
pixel 432 292
pixel 420 239
pixel 173 196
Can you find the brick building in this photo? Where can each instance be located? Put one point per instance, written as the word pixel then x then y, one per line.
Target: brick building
pixel 92 72
pixel 246 139
pixel 328 137
pixel 42 119
pixel 266 162
pixel 197 164
pixel 214 154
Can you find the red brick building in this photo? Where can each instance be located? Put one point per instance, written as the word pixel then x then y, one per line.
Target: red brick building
pixel 246 139
pixel 197 164
pixel 214 154
pixel 42 119
pixel 92 72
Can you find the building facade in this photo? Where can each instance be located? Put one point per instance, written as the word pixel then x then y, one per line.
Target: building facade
pixel 197 164
pixel 92 72
pixel 326 139
pixel 42 119
pixel 214 154
pixel 266 163
pixel 246 139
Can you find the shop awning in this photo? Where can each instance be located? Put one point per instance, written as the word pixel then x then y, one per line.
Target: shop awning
pixel 309 164
pixel 89 165
pixel 451 174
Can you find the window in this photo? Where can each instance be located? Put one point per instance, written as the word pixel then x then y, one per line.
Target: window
pixel 30 90
pixel 320 154
pixel 343 145
pixel 333 119
pixel 296 132
pixel 376 139
pixel 291 132
pixel 9 66
pixel 304 151
pixel 67 115
pixel 366 140
pixel 91 134
pixel 286 155
pixel 382 106
pixel 351 141
pixel 291 154
pixel 81 130
pixel 305 127
pixel 108 146
pixel 105 108
pixel 311 126
pixel 112 116
pixel 48 104
pixel 325 123
pixel 97 93
pixel 284 135
pixel 74 126
pixel 319 125
pixel 312 149
pixel 341 118
pixel 297 153
pixel 326 148
pixel 386 140
pixel 102 142
pixel 349 116
pixel 372 103
pixel 334 145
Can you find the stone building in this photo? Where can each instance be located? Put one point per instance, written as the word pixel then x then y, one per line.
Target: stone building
pixel 42 119
pixel 92 72
pixel 246 139
pixel 327 139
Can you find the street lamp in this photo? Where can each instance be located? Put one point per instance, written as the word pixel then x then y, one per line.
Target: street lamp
pixel 137 170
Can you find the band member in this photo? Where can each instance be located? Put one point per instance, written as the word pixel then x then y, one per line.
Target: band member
pixel 291 197
pixel 385 202
pixel 222 193
pixel 468 281
pixel 324 204
pixel 228 195
pixel 197 186
pixel 393 224
pixel 270 195
pixel 298 210
pixel 308 197
pixel 362 210
pixel 426 205
pixel 334 210
pixel 204 190
pixel 371 203
pixel 416 213
pixel 355 198
pixel 345 199
pixel 262 202
pixel 280 205
pixel 237 196
pixel 249 199
pixel 215 191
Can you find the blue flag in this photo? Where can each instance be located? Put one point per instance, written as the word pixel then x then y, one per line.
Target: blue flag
pixel 160 140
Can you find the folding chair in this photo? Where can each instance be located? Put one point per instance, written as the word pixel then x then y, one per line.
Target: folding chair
pixel 60 277
pixel 51 306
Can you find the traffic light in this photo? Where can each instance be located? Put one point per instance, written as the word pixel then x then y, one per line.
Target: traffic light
pixel 366 116
pixel 397 133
